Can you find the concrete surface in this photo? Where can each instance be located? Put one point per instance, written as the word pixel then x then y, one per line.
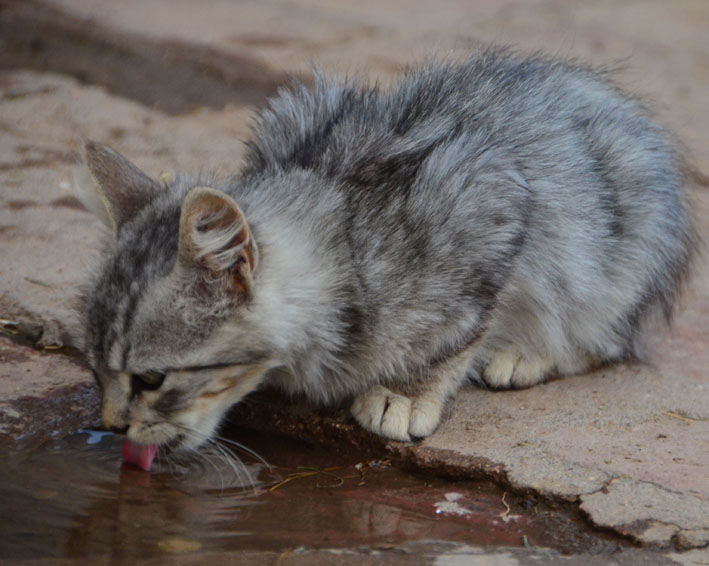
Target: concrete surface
pixel 629 444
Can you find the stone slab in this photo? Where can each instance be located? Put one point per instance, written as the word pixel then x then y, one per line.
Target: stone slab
pixel 648 512
pixel 628 443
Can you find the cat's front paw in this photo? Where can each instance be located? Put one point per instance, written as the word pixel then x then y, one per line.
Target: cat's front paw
pixel 507 369
pixel 396 416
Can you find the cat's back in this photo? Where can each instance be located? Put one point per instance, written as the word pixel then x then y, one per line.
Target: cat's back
pixel 526 192
pixel 566 152
pixel 345 129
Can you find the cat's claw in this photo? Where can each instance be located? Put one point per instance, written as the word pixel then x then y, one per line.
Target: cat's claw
pixel 395 416
pixel 507 369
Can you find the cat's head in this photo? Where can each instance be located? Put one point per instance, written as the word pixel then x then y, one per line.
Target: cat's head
pixel 166 316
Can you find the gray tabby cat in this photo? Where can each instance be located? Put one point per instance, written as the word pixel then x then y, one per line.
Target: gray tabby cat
pixel 504 218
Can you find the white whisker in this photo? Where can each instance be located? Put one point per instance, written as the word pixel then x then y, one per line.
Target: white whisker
pixel 225 457
pixel 201 457
pixel 234 459
pixel 245 449
pixel 215 448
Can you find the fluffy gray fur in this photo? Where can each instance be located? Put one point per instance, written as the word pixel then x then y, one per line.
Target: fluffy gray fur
pixel 505 218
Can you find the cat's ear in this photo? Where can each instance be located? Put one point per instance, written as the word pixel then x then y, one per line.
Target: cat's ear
pixel 214 236
pixel 118 189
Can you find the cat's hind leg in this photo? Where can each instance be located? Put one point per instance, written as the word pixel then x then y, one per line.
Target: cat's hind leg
pixel 509 369
pixel 404 417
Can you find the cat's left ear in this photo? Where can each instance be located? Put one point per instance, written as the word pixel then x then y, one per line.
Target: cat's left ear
pixel 118 189
pixel 214 236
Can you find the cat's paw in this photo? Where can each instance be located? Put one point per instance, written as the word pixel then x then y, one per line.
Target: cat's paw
pixel 507 369
pixel 396 416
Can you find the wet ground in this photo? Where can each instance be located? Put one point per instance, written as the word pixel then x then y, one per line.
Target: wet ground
pixel 73 498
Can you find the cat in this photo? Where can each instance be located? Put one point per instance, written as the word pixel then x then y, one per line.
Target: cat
pixel 504 218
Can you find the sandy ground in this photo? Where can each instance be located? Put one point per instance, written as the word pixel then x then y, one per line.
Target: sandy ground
pixel 629 444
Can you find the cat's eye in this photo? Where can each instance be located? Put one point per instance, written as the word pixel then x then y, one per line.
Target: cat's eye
pixel 147 381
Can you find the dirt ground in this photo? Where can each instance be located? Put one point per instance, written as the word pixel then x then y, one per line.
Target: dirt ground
pixel 172 84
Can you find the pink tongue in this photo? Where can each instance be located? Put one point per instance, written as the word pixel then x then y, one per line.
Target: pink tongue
pixel 140 455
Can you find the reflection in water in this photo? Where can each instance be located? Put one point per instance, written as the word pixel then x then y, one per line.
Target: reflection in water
pixel 74 499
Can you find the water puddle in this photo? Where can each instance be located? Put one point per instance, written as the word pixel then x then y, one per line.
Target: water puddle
pixel 73 498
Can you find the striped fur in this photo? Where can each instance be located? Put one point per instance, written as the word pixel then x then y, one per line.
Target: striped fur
pixel 505 218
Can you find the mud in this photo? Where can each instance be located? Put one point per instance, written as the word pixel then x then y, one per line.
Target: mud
pixel 166 75
pixel 32 419
pixel 27 420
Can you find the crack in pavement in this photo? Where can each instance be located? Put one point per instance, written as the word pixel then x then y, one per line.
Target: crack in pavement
pixel 648 512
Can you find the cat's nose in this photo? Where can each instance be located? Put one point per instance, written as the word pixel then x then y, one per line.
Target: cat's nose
pixel 118 430
pixel 113 420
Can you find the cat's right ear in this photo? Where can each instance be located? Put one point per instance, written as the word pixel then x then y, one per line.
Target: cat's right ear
pixel 215 239
pixel 118 190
